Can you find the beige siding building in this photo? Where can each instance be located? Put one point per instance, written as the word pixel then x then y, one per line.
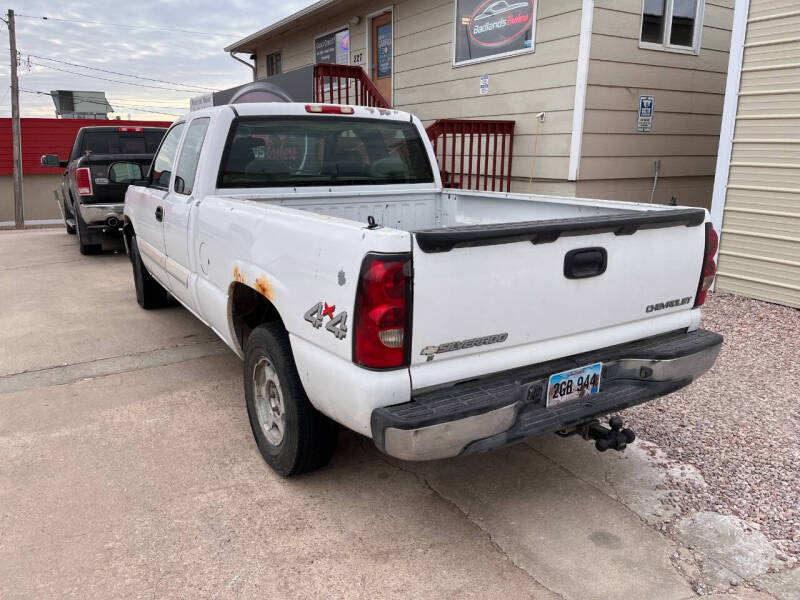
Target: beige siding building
pixel 688 87
pixel 585 64
pixel 757 192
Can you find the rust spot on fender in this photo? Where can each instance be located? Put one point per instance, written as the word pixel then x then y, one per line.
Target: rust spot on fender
pixel 238 275
pixel 264 287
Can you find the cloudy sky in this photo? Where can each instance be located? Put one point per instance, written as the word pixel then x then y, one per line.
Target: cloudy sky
pixel 191 59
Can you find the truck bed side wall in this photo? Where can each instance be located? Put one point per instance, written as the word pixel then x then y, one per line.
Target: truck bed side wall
pixel 296 259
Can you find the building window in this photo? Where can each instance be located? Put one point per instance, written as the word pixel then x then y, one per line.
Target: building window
pixel 273 64
pixel 671 25
pixel 333 48
pixel 490 29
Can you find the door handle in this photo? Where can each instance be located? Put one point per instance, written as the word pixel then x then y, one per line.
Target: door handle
pixel 585 262
pixel 159 214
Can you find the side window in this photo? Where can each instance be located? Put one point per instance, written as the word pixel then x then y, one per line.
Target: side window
pixel 163 162
pixel 190 155
pixel 273 64
pixel 671 24
pixel 76 147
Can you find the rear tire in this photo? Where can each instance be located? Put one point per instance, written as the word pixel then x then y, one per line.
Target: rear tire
pixel 83 232
pixel 149 293
pixel 292 436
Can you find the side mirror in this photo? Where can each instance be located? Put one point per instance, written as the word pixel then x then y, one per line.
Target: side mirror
pixel 124 172
pixel 51 160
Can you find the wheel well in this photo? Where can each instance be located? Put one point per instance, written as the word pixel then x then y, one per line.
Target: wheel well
pixel 249 309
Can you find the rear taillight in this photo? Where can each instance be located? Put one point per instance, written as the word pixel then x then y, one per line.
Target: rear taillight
pixel 137 129
pixel 383 312
pixel 83 179
pixel 709 266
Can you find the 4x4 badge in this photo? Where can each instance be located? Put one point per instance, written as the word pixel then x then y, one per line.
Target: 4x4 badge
pixel 337 324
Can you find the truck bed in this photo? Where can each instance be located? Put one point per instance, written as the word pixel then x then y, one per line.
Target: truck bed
pixel 442 220
pixel 493 266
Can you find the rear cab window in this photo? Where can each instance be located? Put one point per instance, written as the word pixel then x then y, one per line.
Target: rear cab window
pixel 121 142
pixel 329 151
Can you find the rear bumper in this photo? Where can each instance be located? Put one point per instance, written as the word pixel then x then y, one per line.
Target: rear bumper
pixel 498 409
pixel 98 215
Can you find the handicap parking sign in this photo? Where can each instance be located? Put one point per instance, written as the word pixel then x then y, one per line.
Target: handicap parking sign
pixel 644 122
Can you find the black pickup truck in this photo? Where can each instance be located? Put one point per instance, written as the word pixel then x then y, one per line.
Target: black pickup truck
pixel 92 196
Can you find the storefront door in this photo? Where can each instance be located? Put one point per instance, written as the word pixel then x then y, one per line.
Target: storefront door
pixel 381 53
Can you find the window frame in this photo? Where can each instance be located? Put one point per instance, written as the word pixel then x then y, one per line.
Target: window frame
pixel 472 61
pixel 697 38
pixel 266 63
pixel 177 154
pixel 179 158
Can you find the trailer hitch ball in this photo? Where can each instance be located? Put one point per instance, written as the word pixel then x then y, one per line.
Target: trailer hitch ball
pixel 616 438
pixel 616 424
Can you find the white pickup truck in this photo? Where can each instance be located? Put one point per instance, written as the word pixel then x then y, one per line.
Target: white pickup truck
pixel 318 243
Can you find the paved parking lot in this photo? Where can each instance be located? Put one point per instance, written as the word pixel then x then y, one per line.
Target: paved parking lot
pixel 127 470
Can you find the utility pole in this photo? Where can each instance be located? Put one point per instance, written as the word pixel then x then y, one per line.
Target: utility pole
pixel 16 135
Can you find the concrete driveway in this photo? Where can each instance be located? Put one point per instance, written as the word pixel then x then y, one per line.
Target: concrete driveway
pixel 128 469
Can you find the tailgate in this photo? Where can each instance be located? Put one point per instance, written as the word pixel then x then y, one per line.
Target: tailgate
pixel 493 297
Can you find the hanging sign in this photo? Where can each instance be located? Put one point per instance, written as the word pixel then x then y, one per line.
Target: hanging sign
pixel 644 123
pixel 200 102
pixel 333 48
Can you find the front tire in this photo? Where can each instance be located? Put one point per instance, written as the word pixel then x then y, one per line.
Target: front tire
pixel 149 293
pixel 292 436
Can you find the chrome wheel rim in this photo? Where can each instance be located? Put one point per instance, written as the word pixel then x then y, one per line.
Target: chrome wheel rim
pixel 269 401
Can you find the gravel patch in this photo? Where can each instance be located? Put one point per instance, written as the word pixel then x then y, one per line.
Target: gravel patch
pixel 739 424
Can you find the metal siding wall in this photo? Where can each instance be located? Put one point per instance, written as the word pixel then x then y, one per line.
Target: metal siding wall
pixel 760 249
pixel 42 136
pixel 51 136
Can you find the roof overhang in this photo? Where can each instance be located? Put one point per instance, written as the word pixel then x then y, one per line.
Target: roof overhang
pixel 248 44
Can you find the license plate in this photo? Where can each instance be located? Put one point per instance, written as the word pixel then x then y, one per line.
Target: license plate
pixel 575 383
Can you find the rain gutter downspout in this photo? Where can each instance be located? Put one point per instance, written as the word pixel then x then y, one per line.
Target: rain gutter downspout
pixel 244 62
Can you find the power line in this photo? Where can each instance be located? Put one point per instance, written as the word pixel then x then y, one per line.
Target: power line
pixel 156 87
pixel 98 102
pixel 106 103
pixel 119 25
pixel 199 88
